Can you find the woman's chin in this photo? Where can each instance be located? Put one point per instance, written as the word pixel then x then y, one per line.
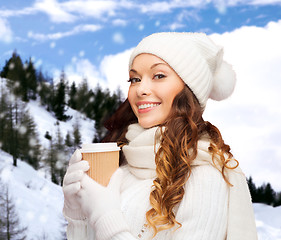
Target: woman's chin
pixel 147 125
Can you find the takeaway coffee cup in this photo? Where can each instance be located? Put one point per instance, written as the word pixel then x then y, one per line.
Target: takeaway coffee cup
pixel 103 159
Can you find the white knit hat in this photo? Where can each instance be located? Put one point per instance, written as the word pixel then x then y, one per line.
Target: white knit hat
pixel 196 59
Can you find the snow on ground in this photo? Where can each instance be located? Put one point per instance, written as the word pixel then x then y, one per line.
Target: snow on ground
pixel 268 221
pixel 39 203
pixel 45 121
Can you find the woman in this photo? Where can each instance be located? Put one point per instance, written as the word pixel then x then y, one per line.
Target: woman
pixel 178 179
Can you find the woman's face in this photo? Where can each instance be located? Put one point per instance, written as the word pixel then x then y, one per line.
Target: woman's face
pixel 154 85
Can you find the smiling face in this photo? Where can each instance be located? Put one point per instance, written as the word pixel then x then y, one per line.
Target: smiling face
pixel 154 85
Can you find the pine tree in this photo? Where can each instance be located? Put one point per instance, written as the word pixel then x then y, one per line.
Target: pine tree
pixel 77 136
pixel 269 194
pixel 277 201
pixel 29 145
pixel 103 105
pixel 10 227
pixel 30 75
pixel 82 96
pixel 46 93
pixel 57 157
pixel 72 96
pixel 51 161
pixel 252 188
pixel 16 77
pixel 68 141
pixel 62 157
pixel 59 101
pixel 3 114
pixel 11 137
pixel 99 110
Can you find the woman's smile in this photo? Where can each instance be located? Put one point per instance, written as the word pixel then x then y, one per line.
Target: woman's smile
pixel 144 107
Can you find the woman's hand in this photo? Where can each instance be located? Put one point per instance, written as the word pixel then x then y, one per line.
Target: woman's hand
pixel 72 185
pixel 96 200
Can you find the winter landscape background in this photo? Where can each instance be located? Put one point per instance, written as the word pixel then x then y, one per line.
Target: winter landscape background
pixel 88 42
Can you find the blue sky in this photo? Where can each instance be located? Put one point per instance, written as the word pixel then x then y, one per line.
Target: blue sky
pixel 52 32
pixel 93 39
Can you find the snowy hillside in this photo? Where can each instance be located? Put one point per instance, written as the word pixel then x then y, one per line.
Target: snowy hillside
pixel 39 203
pixel 45 121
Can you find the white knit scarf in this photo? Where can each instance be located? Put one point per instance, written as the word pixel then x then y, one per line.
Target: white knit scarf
pixel 140 152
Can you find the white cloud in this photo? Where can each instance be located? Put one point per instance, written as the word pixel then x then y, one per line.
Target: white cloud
pixel 58 35
pixel 61 52
pixel 174 26
pixel 112 72
pixel 114 69
pixel 157 23
pixel 11 13
pixel 6 34
pixel 54 10
pixel 95 9
pixel 118 38
pixel 265 2
pixel 81 53
pixel 189 15
pixel 250 118
pixel 141 27
pixel 52 45
pixel 79 69
pixel 119 22
pixel 156 7
pixel 38 63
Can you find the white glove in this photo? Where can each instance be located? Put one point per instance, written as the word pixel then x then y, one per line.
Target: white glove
pixel 101 205
pixel 71 186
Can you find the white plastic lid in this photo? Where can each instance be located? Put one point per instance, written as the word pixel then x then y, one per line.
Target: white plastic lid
pixel 100 147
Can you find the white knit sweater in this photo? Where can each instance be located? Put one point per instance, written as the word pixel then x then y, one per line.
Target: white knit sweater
pixel 209 210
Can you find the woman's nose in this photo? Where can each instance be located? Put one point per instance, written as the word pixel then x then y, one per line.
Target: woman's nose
pixel 144 88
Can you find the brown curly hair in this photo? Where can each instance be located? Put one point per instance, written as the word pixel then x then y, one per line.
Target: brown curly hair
pixel 179 137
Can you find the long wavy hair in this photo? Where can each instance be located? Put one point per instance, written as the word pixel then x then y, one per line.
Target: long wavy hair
pixel 178 148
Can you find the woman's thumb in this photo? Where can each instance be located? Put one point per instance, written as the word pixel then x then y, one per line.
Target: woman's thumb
pixel 116 180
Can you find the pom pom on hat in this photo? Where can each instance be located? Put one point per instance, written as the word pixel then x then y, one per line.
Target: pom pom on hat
pixel 224 82
pixel 196 59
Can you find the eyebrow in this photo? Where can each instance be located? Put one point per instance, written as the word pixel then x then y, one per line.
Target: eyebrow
pixel 153 66
pixel 156 64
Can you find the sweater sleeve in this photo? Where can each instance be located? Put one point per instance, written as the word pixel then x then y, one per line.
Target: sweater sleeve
pixel 76 229
pixel 204 208
pixel 241 219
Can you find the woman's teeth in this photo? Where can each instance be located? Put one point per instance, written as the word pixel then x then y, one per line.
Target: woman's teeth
pixel 150 105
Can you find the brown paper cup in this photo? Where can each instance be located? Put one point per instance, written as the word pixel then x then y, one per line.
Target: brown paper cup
pixel 103 159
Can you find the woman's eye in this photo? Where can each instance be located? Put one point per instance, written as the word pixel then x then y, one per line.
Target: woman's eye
pixel 134 80
pixel 159 76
